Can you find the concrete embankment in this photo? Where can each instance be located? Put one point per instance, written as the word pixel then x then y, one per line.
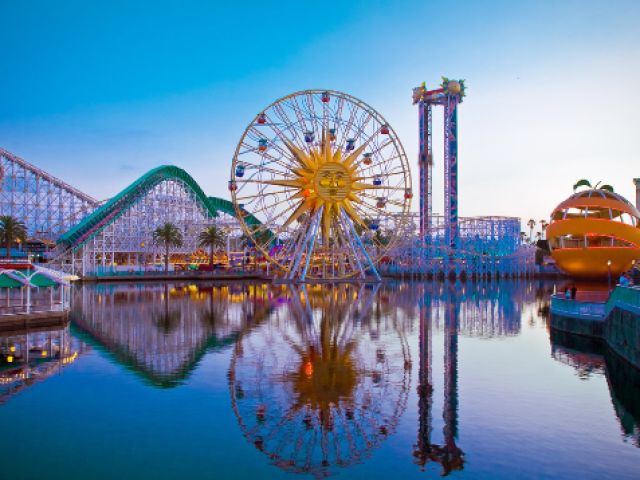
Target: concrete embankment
pixel 25 322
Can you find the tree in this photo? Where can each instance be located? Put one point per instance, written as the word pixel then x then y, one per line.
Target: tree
pixel 11 230
pixel 543 224
pixel 212 237
pixel 167 235
pixel 531 223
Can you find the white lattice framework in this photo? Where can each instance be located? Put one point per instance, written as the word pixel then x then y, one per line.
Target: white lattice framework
pixel 129 239
pixel 48 206
pixel 488 246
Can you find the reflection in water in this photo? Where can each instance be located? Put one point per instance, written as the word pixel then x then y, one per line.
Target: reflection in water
pixel 449 456
pixel 161 332
pixel 325 381
pixel 589 357
pixel 33 356
pixel 319 376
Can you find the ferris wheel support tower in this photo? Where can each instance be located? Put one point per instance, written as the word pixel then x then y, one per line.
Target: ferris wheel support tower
pixel 449 96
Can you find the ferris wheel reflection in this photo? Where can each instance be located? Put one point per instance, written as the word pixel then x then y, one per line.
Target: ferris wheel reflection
pixel 325 382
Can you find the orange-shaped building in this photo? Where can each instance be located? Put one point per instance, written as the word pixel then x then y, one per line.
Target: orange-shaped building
pixel 593 230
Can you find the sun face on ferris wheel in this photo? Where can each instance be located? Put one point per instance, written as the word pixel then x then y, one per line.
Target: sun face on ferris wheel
pixel 326 179
pixel 321 184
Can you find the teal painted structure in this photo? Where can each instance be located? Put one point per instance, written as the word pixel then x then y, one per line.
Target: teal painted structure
pixel 109 212
pixel 616 321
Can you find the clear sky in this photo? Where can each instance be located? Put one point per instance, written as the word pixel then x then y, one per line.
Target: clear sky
pixel 99 93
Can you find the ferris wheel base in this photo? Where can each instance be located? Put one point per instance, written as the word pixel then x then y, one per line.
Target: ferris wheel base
pixel 313 281
pixel 304 252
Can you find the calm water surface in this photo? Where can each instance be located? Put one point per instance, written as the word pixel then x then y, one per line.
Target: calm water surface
pixel 410 380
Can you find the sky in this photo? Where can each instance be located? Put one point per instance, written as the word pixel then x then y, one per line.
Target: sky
pixel 98 93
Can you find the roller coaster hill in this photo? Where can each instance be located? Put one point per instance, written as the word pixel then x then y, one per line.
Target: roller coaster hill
pixel 80 235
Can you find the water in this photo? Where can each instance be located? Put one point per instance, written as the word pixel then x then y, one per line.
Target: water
pixel 410 380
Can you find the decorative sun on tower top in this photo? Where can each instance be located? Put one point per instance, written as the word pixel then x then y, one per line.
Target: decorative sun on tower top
pixel 453 87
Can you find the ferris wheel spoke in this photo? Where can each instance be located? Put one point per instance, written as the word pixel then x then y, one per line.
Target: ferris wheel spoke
pixel 379 148
pixel 371 208
pixel 286 155
pixel 347 126
pixel 312 110
pixel 298 110
pixel 259 195
pixel 361 127
pixel 268 170
pixel 387 200
pixel 386 162
pixel 270 206
pixel 285 119
pixel 286 166
pixel 283 228
pixel 377 176
pixel 281 135
pixel 294 151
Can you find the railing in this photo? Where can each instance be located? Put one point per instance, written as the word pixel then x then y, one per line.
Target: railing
pixel 14 260
pixel 155 273
pixel 35 307
pixel 596 305
pixel 577 307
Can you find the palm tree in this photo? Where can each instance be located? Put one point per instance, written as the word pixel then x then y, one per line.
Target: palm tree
pixel 382 239
pixel 543 224
pixel 168 235
pixel 531 223
pixel 11 230
pixel 212 237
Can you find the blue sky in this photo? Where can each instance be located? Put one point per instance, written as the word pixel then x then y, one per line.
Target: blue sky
pixel 97 94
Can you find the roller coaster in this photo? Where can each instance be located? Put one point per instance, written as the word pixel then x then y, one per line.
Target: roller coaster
pixel 87 234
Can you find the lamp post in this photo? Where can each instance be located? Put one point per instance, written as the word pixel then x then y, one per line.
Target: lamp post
pixel 609 267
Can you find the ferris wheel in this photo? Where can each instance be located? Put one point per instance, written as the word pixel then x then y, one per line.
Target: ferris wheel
pixel 317 179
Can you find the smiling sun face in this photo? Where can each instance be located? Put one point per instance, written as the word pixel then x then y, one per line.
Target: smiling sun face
pixel 326 178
